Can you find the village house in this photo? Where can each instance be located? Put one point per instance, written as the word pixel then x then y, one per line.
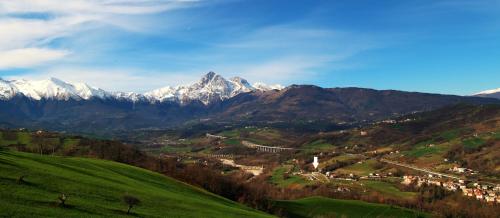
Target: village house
pixel 481 192
pixel 468 192
pixel 450 186
pixel 458 169
pixel 407 180
pixel 496 188
pixel 389 121
pixel 215 136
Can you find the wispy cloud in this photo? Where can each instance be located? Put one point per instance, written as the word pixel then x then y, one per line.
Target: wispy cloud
pixel 298 54
pixel 28 57
pixel 22 29
pixel 93 6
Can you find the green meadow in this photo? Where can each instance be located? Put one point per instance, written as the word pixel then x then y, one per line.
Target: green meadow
pixel 388 189
pixel 327 207
pixel 278 178
pixel 95 188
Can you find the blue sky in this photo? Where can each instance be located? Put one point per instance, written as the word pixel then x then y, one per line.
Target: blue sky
pixel 137 45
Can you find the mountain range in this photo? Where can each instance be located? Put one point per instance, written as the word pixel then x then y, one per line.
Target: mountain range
pixel 56 105
pixel 210 88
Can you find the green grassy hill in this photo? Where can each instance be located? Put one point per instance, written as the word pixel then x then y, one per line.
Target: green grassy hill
pixel 95 189
pixel 326 207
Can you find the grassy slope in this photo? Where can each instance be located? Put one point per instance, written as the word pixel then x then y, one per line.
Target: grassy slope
pixel 278 178
pixel 95 188
pixel 388 189
pixel 326 207
pixel 318 145
pixel 361 169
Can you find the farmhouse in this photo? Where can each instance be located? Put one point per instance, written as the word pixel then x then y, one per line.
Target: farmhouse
pixel 215 136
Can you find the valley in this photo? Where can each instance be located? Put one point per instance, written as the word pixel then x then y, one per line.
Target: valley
pixel 420 161
pixel 395 158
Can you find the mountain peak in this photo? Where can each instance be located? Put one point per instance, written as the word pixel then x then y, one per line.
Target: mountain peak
pixel 238 79
pixel 208 77
pixel 211 87
pixel 56 80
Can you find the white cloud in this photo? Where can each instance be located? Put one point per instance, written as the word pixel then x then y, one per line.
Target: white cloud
pixel 63 18
pixel 19 33
pixel 28 57
pixel 92 6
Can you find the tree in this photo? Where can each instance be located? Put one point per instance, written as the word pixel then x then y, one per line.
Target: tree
pixel 131 201
pixel 20 179
pixel 62 199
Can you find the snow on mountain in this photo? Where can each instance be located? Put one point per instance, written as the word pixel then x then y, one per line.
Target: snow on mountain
pixel 240 85
pixel 6 90
pixel 265 87
pixel 162 94
pixel 210 88
pixel 86 92
pixel 492 93
pixel 486 92
pixel 49 89
pixel 128 96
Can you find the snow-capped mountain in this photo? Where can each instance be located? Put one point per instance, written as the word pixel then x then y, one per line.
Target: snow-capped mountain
pixel 128 96
pixel 6 90
pixel 49 89
pixel 265 87
pixel 493 93
pixel 210 88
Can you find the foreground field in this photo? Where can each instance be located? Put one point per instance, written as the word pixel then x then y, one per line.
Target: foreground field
pixel 94 188
pixel 326 207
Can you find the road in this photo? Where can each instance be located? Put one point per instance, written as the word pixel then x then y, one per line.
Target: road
pixel 255 170
pixel 420 169
pixel 316 176
pixel 320 177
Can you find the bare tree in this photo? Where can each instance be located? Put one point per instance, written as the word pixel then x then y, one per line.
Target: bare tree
pixel 20 179
pixel 131 201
